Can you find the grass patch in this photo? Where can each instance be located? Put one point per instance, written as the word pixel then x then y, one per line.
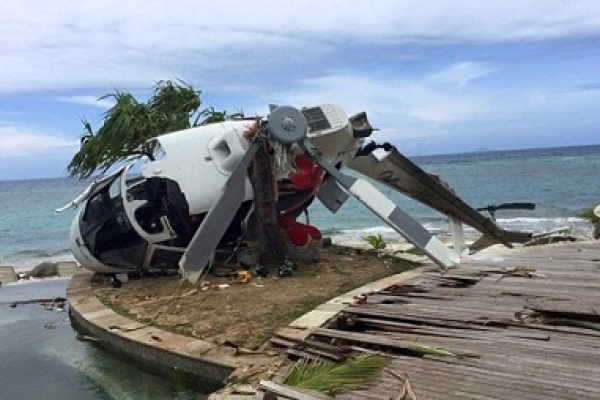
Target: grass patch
pixel 588 214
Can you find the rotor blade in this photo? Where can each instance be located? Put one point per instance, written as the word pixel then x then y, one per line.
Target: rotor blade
pixel 392 215
pixel 515 206
pixel 396 171
pixel 214 225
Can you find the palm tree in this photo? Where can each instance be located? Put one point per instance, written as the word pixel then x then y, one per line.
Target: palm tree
pixel 129 123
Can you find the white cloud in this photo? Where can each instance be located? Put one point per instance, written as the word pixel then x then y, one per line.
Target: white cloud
pixel 104 103
pixel 420 69
pixel 392 101
pixel 448 110
pixel 19 142
pixel 64 44
pixel 461 73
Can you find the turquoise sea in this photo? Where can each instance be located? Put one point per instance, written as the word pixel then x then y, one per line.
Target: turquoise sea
pixel 560 181
pixel 40 357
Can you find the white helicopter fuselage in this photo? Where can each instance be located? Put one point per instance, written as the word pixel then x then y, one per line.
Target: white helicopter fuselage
pixel 133 224
pixel 188 202
pixel 200 160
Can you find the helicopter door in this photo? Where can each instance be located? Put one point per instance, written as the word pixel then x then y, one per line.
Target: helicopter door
pixel 144 213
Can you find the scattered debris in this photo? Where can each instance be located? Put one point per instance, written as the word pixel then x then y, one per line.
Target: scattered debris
pixel 423 350
pixel 244 276
pixel 298 348
pixel 50 325
pixel 123 329
pixel 562 317
pixel 239 350
pixel 520 271
pixel 122 277
pixel 56 303
pixel 251 373
pixel 272 390
pixel 87 338
pixel 406 392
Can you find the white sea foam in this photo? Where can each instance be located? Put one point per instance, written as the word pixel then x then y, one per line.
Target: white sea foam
pixel 576 226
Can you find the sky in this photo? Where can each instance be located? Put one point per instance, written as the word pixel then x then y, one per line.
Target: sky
pixel 434 77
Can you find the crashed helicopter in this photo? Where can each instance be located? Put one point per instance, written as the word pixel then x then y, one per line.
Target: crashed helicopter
pixel 195 196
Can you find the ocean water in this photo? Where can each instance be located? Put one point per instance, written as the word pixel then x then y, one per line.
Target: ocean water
pixel 560 181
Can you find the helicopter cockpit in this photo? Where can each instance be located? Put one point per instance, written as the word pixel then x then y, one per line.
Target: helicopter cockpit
pixel 132 224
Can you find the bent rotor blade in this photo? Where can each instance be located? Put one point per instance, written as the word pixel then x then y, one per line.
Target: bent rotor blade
pixel 212 229
pixel 396 171
pixel 508 206
pixel 392 215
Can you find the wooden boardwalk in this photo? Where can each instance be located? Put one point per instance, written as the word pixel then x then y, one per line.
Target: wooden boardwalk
pixel 516 324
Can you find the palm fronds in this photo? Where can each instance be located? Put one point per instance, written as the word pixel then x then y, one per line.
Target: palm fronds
pixel 573 322
pixel 330 378
pixel 129 124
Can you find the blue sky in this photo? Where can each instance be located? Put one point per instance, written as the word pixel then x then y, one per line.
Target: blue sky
pixel 435 77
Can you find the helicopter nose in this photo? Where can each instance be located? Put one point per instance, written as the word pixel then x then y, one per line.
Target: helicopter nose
pixel 79 249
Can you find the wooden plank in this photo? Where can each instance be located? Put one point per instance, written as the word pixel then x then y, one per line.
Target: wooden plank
pixel 520 382
pixel 521 360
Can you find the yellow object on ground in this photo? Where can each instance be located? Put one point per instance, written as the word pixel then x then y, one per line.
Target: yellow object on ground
pixel 244 276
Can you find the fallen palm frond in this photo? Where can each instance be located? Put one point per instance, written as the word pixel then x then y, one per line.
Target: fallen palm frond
pixel 544 317
pixel 520 271
pixel 330 378
pixel 573 322
pixel 422 349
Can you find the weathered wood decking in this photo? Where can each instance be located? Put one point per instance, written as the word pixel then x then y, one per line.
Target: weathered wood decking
pixel 511 334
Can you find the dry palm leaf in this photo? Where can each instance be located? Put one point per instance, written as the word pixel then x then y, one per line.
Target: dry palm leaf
pixel 437 351
pixel 406 392
pixel 520 271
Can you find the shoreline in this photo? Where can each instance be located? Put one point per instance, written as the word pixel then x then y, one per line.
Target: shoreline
pixel 581 227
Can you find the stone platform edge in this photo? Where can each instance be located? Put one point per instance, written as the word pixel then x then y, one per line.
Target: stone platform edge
pixel 206 364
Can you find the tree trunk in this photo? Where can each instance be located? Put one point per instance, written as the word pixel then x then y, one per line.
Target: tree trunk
pixel 262 177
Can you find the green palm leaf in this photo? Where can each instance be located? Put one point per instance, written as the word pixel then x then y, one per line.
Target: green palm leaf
pixel 129 124
pixel 330 378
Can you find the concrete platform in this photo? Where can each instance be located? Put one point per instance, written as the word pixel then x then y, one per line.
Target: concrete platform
pixel 7 274
pixel 66 268
pixel 187 359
